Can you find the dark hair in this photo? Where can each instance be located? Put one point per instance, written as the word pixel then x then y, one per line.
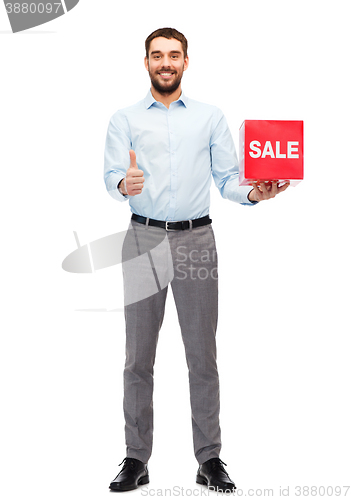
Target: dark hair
pixel 167 33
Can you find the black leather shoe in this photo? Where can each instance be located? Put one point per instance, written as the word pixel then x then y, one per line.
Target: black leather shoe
pixel 133 474
pixel 214 476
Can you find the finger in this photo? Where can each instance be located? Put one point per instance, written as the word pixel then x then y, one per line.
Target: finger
pixel 132 156
pixel 264 190
pixel 137 186
pixel 274 189
pixel 258 193
pixel 134 187
pixel 258 185
pixel 267 185
pixel 135 191
pixel 134 173
pixel 134 183
pixel 284 187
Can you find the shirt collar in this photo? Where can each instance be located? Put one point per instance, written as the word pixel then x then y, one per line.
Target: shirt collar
pixel 150 100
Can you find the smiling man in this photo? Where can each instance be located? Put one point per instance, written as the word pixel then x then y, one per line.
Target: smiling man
pixel 166 64
pixel 161 155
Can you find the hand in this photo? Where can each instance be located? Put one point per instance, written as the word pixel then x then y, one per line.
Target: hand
pixel 133 182
pixel 262 191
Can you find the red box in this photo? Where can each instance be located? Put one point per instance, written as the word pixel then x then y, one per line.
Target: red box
pixel 270 150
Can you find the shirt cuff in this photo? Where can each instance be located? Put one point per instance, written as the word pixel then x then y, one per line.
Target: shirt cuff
pixel 123 197
pixel 120 191
pixel 116 194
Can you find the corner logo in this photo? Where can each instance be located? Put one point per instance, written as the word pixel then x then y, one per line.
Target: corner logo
pixel 25 15
pixel 145 257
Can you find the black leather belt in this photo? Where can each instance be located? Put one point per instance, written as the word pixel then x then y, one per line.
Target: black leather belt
pixel 173 226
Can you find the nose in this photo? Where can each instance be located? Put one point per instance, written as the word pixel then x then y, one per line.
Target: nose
pixel 166 61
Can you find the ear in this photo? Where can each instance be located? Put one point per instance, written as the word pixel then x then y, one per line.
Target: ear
pixel 146 62
pixel 186 63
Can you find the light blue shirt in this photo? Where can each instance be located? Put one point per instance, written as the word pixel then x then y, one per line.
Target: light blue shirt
pixel 179 150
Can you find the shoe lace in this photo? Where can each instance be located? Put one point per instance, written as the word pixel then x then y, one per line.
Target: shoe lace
pixel 217 462
pixel 127 462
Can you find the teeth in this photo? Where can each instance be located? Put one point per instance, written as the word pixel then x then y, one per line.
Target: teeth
pixel 165 74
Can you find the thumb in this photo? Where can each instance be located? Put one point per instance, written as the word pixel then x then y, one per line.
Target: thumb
pixel 132 155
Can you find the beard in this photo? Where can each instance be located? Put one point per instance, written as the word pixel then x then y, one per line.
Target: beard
pixel 164 88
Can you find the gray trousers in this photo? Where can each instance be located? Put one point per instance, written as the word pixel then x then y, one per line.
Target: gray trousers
pixel 187 259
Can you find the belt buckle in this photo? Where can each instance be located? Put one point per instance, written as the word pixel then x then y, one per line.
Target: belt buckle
pixel 169 222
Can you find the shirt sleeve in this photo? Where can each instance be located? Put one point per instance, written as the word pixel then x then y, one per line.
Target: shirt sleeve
pixel 116 161
pixel 224 161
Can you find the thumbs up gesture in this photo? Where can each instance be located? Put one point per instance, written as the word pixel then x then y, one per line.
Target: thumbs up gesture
pixel 133 182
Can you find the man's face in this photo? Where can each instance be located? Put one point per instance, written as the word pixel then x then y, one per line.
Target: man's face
pixel 166 64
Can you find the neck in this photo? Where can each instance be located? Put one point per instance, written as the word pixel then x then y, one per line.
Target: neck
pixel 166 99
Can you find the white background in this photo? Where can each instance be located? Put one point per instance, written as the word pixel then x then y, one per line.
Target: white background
pixel 283 333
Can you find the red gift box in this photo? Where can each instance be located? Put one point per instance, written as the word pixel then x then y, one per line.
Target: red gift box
pixel 270 150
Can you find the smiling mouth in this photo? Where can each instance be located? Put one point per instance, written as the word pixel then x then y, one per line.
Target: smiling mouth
pixel 165 74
